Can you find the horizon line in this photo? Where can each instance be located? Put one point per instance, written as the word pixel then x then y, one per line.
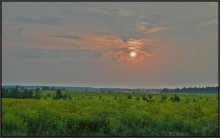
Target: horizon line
pixel 109 87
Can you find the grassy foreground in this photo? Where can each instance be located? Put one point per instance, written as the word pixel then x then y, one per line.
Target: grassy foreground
pixel 112 114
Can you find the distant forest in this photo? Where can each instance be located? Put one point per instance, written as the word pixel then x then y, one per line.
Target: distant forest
pixel 30 91
pixel 192 90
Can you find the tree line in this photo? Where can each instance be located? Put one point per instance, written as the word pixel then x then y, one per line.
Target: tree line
pixel 17 92
pixel 34 94
pixel 191 90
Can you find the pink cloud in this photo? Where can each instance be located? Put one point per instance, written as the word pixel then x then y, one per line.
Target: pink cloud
pixel 143 27
pixel 110 46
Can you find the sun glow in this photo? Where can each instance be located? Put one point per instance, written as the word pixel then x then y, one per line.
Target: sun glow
pixel 133 54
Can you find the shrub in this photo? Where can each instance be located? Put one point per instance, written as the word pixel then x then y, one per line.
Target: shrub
pixel 175 98
pixel 58 95
pixel 163 98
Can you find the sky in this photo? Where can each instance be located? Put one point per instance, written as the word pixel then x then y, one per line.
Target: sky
pixel 115 44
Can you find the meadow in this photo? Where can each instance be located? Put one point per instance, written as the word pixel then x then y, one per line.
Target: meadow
pixel 111 114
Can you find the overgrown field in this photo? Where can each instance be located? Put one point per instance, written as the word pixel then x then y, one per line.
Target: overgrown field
pixel 112 114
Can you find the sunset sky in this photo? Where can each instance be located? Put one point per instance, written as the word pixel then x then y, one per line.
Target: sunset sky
pixel 132 45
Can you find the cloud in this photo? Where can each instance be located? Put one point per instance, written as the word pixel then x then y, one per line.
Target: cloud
pixel 18 32
pixel 48 20
pixel 13 33
pixel 97 10
pixel 65 43
pixel 132 44
pixel 68 36
pixel 125 13
pixel 210 22
pixel 83 52
pixel 40 53
pixel 111 46
pixel 112 11
pixel 143 27
pixel 124 55
pixel 155 29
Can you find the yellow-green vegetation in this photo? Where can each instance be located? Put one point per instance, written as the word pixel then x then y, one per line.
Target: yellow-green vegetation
pixel 112 114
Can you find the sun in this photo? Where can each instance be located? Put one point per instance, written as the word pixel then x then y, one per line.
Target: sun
pixel 133 54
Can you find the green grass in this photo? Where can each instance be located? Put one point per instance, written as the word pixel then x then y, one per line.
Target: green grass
pixel 111 114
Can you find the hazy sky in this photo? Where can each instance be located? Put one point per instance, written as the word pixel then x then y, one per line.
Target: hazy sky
pixel 89 44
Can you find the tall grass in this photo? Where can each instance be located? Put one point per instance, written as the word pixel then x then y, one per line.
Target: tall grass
pixel 103 114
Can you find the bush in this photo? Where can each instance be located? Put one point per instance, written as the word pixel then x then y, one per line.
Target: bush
pixel 175 98
pixel 163 98
pixel 58 95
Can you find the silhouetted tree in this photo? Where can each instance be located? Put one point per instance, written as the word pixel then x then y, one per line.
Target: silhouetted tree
pixel 58 94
